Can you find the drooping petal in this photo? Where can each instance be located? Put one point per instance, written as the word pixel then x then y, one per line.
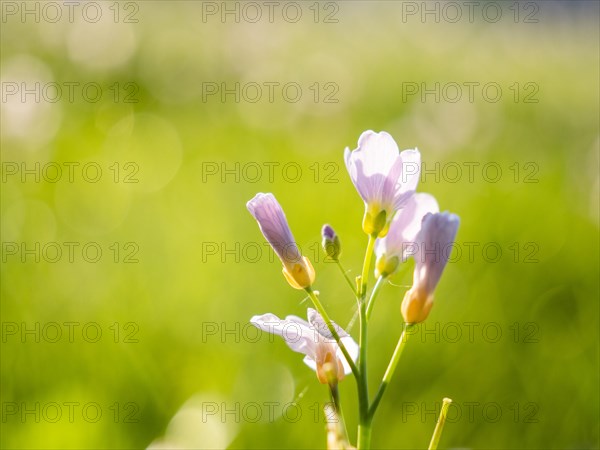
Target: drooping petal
pixel 296 332
pixel 311 338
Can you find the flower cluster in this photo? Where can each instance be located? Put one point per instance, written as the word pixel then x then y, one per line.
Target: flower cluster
pixel 399 223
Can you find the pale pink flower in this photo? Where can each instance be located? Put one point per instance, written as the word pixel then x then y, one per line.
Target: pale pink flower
pixel 384 177
pixel 314 340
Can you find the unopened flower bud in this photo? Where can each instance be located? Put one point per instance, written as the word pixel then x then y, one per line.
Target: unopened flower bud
pixel 416 305
pixel 437 232
pixel 331 242
pixel 267 211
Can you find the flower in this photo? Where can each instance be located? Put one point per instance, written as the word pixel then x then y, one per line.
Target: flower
pixel 314 340
pixel 297 269
pixel 432 251
pixel 331 242
pixel 404 228
pixel 384 177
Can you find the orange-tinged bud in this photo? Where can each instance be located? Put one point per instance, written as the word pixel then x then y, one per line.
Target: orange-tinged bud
pixel 416 305
pixel 299 275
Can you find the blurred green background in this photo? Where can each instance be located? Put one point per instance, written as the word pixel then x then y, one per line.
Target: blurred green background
pixel 183 266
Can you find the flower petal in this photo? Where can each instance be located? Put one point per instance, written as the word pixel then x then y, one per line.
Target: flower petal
pixel 377 152
pixel 296 332
pixel 406 225
pixel 319 325
pixel 310 362
pixel 384 177
pixel 307 337
pixel 315 319
pixel 409 179
pixel 352 348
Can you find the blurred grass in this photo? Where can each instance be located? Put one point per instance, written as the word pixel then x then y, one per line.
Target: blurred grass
pixel 171 212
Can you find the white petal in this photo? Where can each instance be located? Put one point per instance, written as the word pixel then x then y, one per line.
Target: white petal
pixel 296 332
pixel 352 348
pixel 370 164
pixel 376 151
pixel 409 179
pixel 310 362
pixel 380 246
pixel 354 176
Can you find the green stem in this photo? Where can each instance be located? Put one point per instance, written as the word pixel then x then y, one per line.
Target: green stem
pixel 437 433
pixel 366 266
pixel 333 331
pixel 390 369
pixel 364 435
pixel 364 425
pixel 374 293
pixel 335 396
pixel 346 277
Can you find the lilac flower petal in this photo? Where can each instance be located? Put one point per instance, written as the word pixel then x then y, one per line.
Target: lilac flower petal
pixel 383 177
pixel 406 225
pixel 307 337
